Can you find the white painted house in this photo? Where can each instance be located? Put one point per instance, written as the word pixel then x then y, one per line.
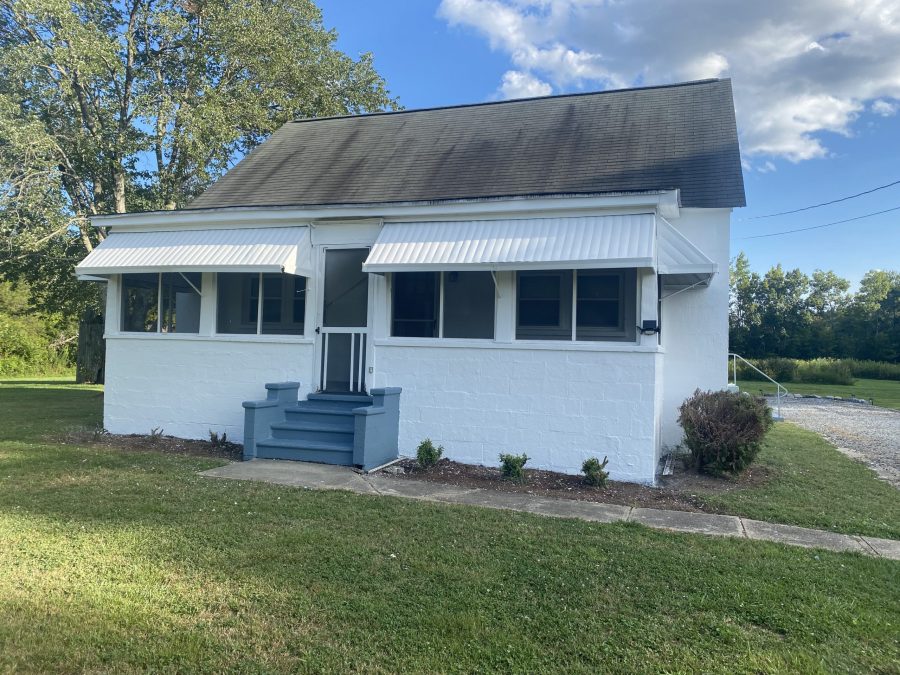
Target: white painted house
pixel 546 276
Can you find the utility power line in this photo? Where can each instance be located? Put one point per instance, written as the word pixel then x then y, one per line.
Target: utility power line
pixel 819 227
pixel 833 201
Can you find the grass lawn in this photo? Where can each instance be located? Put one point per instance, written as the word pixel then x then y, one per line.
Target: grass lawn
pixel 885 393
pixel 114 561
pixel 810 483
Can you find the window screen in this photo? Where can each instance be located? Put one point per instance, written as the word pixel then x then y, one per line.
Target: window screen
pixel 468 305
pixel 415 304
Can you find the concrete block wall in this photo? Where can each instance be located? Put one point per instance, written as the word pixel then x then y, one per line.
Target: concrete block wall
pixel 189 386
pixel 557 406
pixel 695 323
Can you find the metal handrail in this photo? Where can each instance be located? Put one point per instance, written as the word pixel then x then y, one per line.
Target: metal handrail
pixel 779 387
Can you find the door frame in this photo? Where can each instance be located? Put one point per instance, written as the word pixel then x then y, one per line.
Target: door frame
pixel 317 384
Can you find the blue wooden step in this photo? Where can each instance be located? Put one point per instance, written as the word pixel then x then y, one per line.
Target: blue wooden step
pixel 305 451
pixel 313 431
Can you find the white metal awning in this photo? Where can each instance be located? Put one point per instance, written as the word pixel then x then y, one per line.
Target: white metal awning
pixel 274 249
pixel 537 243
pixel 680 263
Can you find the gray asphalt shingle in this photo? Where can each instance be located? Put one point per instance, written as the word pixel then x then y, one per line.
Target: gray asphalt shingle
pixel 678 136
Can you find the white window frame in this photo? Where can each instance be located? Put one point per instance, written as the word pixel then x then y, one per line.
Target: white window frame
pixel 287 300
pixel 622 333
pixel 159 303
pixel 440 311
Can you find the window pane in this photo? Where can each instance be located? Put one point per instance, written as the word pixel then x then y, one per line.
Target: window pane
pixel 284 304
pixel 606 305
pixel 272 284
pixel 598 313
pixel 415 304
pixel 236 304
pixel 597 287
pixel 468 305
pixel 544 305
pixel 180 302
pixel 140 299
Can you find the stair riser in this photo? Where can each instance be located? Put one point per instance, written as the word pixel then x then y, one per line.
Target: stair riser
pixel 345 398
pixel 344 436
pixel 298 455
pixel 330 405
pixel 343 422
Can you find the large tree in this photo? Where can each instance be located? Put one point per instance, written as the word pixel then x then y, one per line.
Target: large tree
pixel 108 106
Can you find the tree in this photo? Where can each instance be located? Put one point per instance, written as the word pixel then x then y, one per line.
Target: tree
pixel 110 106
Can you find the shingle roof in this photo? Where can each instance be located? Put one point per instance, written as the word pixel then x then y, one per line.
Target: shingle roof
pixel 630 140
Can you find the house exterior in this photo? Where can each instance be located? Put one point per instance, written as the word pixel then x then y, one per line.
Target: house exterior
pixel 546 276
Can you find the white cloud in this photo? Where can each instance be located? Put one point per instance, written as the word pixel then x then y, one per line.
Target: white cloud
pixel 517 84
pixel 798 68
pixel 885 108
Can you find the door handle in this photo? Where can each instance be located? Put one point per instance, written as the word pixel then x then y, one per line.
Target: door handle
pixel 318 330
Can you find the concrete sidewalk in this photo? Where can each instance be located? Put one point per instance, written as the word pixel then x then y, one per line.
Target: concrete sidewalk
pixel 327 477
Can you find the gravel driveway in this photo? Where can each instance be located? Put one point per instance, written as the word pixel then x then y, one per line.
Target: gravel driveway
pixel 864 432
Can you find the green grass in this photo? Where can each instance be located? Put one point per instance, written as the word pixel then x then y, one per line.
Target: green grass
pixel 811 484
pixel 885 393
pixel 114 561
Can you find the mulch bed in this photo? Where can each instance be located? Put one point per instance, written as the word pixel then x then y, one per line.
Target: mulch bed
pixel 142 443
pixel 682 492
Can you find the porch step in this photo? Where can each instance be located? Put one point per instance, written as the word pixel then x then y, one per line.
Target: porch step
pixel 314 431
pixel 359 399
pixel 336 417
pixel 305 451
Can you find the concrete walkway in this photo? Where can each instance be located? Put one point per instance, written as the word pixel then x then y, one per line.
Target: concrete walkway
pixel 326 477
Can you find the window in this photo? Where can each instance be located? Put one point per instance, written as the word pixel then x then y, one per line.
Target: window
pixel 467 308
pixel 544 305
pixel 161 303
pixel 238 302
pixel 604 307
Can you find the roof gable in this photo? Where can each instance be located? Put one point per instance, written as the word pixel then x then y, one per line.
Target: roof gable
pixel 631 140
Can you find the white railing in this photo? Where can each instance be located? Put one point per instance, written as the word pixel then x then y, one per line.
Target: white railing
pixel 357 366
pixel 780 389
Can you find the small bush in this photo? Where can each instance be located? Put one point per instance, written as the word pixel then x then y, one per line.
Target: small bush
pixel 512 466
pixel 427 454
pixel 724 430
pixel 218 441
pixel 594 471
pixel 156 433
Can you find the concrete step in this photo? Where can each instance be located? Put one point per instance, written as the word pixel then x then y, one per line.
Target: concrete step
pixel 336 417
pixel 358 399
pixel 305 451
pixel 314 431
pixel 326 404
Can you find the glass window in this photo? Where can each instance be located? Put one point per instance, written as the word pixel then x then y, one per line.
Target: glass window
pixel 415 304
pixel 544 306
pixel 180 302
pixel 140 303
pixel 469 305
pixel 283 304
pixel 605 305
pixel 165 303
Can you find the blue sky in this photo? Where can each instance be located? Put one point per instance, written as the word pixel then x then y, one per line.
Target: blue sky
pixel 817 112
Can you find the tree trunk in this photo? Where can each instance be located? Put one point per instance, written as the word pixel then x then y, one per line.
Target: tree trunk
pixel 91 359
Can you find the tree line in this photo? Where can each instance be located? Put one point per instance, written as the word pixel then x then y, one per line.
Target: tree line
pixel 794 315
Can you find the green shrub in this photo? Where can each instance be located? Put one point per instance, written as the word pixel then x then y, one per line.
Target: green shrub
pixel 427 454
pixel 724 430
pixel 512 466
pixel 823 371
pixel 780 370
pixel 594 471
pixel 874 370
